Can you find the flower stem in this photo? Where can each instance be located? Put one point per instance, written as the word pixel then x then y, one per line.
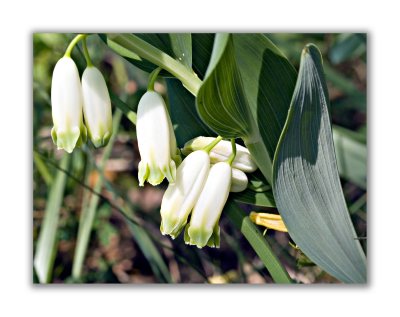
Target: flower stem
pixel 233 155
pixel 86 53
pixel 152 78
pixel 147 51
pixel 73 44
pixel 210 146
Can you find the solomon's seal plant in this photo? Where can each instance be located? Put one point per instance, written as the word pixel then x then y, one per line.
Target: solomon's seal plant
pixel 239 125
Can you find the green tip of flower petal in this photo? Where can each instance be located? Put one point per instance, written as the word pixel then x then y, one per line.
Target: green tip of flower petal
pixel 170 172
pixel 199 236
pixel 99 141
pixel 214 240
pixel 66 140
pixel 143 172
pixel 171 226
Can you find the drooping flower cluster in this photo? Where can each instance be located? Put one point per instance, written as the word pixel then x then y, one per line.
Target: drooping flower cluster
pixel 71 100
pixel 199 187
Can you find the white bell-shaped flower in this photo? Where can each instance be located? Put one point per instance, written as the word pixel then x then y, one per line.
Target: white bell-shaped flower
pixel 220 153
pixel 156 140
pixel 181 196
pixel 66 102
pixel 203 228
pixel 96 106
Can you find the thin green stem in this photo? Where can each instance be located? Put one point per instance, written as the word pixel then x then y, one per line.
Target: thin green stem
pixel 86 53
pixel 73 44
pixel 152 78
pixel 233 155
pixel 210 146
pixel 147 51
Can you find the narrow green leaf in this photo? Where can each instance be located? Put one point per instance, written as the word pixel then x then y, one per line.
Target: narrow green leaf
pixel 42 168
pixel 306 185
pixel 46 245
pixel 181 44
pixel 122 106
pixel 258 242
pixel 87 218
pixel 151 253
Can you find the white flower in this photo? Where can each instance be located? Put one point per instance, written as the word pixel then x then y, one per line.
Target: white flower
pixel 222 151
pixel 203 228
pixel 181 196
pixel 156 140
pixel 66 102
pixel 96 106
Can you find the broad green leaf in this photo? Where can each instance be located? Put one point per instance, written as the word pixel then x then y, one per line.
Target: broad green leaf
pixel 306 184
pixel 185 119
pixel 351 157
pixel 221 101
pixel 268 81
pixel 258 242
pixel 181 44
pixel 202 44
pixel 46 245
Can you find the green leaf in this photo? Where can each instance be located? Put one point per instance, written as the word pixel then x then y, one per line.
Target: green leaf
pixel 258 242
pixel 181 44
pixel 258 192
pixel 160 41
pixel 351 156
pixel 268 81
pixel 202 44
pixel 46 245
pixel 306 184
pixel 88 214
pixel 122 106
pixel 185 119
pixel 263 199
pixel 221 101
pixel 246 93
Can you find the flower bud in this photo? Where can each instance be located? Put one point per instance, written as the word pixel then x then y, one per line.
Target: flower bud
pixel 221 152
pixel 66 105
pixel 96 107
pixel 156 140
pixel 181 196
pixel 203 228
pixel 239 181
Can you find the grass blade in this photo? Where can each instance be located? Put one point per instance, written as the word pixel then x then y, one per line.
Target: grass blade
pixel 46 245
pixel 86 224
pixel 258 242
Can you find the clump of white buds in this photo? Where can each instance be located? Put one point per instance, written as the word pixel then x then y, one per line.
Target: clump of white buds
pixel 200 192
pixel 70 97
